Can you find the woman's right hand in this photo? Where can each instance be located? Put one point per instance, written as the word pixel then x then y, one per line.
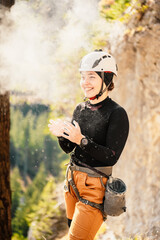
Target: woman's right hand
pixel 57 127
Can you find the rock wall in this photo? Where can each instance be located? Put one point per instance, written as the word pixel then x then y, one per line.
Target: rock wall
pixel 138 57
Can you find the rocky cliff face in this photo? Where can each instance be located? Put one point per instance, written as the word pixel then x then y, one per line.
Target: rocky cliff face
pixel 138 57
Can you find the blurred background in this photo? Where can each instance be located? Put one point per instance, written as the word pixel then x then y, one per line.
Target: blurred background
pixel 41 45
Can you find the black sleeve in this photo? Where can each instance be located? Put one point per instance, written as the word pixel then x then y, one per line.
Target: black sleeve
pixel 116 137
pixel 66 145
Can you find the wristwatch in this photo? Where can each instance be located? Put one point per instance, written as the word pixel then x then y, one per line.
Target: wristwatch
pixel 84 142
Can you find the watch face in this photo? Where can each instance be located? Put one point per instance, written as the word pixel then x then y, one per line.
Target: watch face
pixel 84 141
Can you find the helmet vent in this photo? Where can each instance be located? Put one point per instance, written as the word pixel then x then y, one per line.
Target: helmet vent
pixel 96 62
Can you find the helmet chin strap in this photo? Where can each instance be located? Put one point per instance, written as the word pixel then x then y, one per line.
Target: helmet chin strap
pixel 99 94
pixel 101 90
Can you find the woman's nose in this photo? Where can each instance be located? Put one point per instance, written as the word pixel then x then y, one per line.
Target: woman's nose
pixel 85 80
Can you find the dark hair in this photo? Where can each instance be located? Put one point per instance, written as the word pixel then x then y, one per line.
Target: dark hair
pixel 108 78
pixel 111 86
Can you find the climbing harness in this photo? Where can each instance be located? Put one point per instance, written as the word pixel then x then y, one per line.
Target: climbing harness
pixel 114 199
pixel 71 183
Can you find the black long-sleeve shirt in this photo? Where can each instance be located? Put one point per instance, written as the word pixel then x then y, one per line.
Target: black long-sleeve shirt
pixel 106 126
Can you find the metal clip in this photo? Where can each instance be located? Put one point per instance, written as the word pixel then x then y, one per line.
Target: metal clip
pixel 86 202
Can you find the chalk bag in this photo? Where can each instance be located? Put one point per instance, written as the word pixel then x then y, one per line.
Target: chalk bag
pixel 114 202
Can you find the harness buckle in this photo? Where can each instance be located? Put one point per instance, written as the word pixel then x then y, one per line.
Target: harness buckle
pixel 86 202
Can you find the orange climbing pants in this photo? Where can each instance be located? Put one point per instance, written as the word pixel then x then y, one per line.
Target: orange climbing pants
pixel 86 220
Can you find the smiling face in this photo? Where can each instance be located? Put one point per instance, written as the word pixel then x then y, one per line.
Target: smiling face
pixel 90 83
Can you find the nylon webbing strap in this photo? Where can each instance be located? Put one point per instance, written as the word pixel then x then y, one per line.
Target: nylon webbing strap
pixel 92 204
pixel 86 165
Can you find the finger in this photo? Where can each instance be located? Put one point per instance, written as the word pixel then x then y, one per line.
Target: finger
pixel 59 120
pixel 51 121
pixel 69 125
pixel 65 136
pixel 53 126
pixel 60 123
pixel 50 125
pixel 75 123
pixel 57 124
pixel 67 130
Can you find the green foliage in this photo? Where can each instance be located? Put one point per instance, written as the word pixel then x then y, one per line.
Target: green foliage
pixel 26 139
pixel 136 238
pixel 16 188
pixel 30 198
pixel 31 142
pixel 35 188
pixel 19 222
pixel 122 10
pixel 114 9
pixel 35 154
pixel 63 168
pixel 44 212
pixel 18 237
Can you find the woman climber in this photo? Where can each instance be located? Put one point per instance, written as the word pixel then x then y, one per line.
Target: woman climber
pixel 97 134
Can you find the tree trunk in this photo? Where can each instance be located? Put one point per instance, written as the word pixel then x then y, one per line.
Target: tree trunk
pixel 7 3
pixel 5 192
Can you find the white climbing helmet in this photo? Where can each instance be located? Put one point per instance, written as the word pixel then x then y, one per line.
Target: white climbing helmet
pixel 98 61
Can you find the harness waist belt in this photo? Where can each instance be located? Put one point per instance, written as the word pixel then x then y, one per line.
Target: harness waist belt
pixel 106 170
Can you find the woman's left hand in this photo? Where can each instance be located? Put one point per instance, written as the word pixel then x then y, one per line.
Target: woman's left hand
pixel 73 131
